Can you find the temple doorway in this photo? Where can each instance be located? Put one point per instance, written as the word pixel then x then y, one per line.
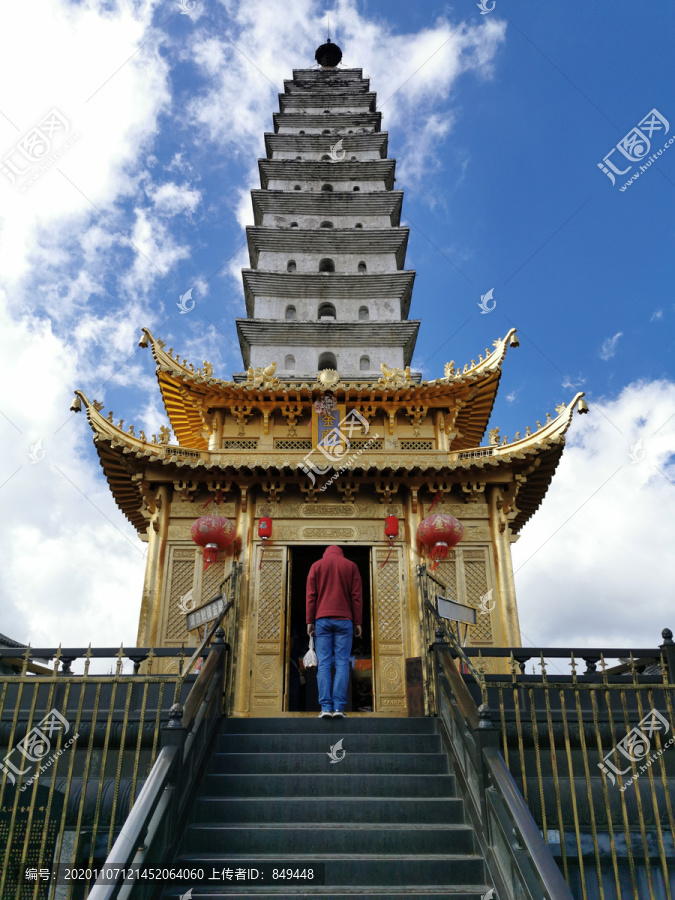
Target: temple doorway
pixel 301 692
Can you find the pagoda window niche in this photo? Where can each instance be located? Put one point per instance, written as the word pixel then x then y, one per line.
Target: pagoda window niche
pixel 327 265
pixel 326 187
pixel 291 266
pixel 289 362
pixel 326 225
pixel 296 187
pixel 325 157
pixel 327 361
pixel 291 314
pixel 327 311
pixel 364 363
pixel 363 268
pixel 356 188
pixel 364 315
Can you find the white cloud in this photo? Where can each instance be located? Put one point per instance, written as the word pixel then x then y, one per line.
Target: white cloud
pixel 609 346
pixel 594 565
pixel 568 383
pixel 170 199
pixel 656 315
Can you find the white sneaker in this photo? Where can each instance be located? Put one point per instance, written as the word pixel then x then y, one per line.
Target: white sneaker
pixel 325 714
pixel 338 714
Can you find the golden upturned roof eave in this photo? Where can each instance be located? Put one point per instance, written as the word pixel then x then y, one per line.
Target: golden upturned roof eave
pixel 186 391
pixel 123 457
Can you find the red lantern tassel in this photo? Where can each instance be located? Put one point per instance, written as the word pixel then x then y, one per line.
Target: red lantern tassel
pixel 262 553
pixel 439 552
pixel 210 555
pixel 391 544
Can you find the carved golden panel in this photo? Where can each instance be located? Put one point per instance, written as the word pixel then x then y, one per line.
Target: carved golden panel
pixel 179 581
pixel 182 509
pixel 388 647
pixel 327 510
pixel 329 534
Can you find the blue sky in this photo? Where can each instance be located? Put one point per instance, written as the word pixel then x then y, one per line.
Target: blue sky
pixel 498 123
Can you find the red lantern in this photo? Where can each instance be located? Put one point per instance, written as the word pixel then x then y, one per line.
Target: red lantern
pixel 391 527
pixel 391 531
pixel 264 533
pixel 440 532
pixel 213 533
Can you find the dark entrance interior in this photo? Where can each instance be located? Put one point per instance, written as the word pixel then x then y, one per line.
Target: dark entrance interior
pixel 304 697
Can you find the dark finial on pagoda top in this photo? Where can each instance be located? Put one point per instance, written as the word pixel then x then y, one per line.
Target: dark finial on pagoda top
pixel 328 55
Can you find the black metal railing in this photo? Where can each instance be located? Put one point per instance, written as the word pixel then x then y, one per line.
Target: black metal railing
pixel 518 860
pixel 75 750
pixel 589 754
pixel 152 830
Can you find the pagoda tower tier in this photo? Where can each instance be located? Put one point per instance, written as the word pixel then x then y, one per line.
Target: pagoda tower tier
pixel 369 145
pixel 327 340
pixel 326 210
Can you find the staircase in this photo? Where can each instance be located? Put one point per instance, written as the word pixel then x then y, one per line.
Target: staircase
pixel 385 819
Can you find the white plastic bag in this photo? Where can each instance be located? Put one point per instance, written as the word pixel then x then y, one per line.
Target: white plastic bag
pixel 310 660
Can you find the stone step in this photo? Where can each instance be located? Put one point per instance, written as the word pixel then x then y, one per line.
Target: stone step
pixel 320 762
pixel 359 785
pixel 363 724
pixel 231 840
pixel 317 743
pixel 356 810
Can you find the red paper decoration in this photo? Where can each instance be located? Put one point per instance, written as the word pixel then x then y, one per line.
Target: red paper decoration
pixel 264 532
pixel 213 533
pixel 440 532
pixel 391 530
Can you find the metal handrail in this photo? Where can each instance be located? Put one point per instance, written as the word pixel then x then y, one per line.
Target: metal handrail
pixel 162 804
pixel 522 864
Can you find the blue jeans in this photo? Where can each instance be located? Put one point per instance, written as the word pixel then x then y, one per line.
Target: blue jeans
pixel 333 640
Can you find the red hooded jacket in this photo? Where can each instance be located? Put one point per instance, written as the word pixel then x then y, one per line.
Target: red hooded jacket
pixel 334 588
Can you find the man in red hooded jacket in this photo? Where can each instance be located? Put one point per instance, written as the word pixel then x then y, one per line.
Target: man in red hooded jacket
pixel 334 603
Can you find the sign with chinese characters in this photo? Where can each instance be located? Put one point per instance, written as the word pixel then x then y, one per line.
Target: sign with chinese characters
pixel 206 613
pixel 326 427
pixel 456 612
pixel 36 868
pixel 332 431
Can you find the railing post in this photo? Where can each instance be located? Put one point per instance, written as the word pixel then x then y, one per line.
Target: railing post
pixel 174 734
pixel 667 648
pixel 486 735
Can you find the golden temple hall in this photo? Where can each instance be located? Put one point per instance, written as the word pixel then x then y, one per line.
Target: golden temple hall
pixel 326 431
